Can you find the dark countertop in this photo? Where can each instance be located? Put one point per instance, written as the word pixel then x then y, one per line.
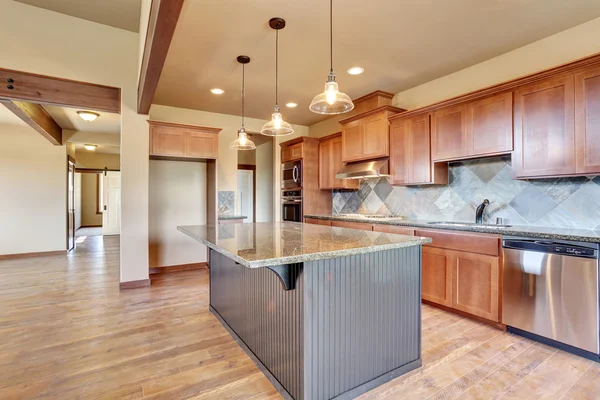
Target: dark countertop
pixel 268 244
pixel 578 235
pixel 231 216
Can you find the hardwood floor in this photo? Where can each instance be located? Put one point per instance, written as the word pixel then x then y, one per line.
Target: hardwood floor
pixel 68 332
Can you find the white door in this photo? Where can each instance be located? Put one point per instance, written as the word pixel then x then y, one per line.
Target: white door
pixel 111 214
pixel 246 194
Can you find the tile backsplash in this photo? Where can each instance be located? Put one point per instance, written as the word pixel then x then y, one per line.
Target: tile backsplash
pixel 557 202
pixel 226 202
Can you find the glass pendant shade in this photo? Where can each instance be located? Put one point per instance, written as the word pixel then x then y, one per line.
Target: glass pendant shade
pixel 331 101
pixel 276 126
pixel 242 142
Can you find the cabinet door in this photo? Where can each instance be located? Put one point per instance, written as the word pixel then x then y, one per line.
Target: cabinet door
pixel 352 141
pixel 375 136
pixel 286 154
pixel 587 120
pixel 352 225
pixel 476 283
pixel 418 157
pixel 437 275
pixel 167 141
pixel 489 125
pixel 398 150
pixel 296 151
pixel 337 164
pixel 201 145
pixel 325 167
pixel 449 133
pixel 545 128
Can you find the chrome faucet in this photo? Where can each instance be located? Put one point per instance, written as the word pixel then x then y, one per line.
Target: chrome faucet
pixel 479 211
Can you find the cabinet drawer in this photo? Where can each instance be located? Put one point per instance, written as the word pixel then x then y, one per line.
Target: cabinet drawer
pixel 311 221
pixel 324 222
pixel 352 225
pixel 480 243
pixel 400 230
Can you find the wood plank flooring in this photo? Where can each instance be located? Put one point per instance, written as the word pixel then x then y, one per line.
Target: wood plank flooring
pixel 68 332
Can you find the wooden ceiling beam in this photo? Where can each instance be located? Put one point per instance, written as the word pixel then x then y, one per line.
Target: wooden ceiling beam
pixel 164 15
pixel 41 89
pixel 38 118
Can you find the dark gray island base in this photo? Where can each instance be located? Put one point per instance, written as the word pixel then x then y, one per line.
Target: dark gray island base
pixel 330 328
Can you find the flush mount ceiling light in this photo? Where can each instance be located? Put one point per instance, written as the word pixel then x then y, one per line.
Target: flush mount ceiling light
pixel 291 105
pixel 276 126
pixel 242 142
pixel 355 70
pixel 217 91
pixel 331 101
pixel 90 147
pixel 88 115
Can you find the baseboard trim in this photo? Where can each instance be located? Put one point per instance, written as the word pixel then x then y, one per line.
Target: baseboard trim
pixel 32 255
pixel 177 268
pixel 494 324
pixel 135 284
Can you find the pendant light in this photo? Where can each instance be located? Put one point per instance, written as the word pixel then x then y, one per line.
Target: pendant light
pixel 331 101
pixel 276 126
pixel 242 142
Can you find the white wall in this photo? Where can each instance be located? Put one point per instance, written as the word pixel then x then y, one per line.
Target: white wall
pixel 561 48
pixel 177 197
pixel 77 200
pixel 49 43
pixel 264 182
pixel 33 192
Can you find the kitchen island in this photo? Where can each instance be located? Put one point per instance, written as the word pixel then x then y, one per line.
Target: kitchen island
pixel 324 312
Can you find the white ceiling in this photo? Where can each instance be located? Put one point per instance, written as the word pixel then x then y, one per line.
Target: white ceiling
pixel 123 14
pixel 68 118
pixel 399 43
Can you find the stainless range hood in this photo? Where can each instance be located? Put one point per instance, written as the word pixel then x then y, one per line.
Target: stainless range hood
pixel 365 169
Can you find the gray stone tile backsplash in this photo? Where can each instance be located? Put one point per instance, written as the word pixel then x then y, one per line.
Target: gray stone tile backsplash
pixel 557 202
pixel 226 202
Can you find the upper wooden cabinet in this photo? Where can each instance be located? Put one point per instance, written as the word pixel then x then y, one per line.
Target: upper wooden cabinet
pixel 292 152
pixel 473 129
pixel 183 141
pixel 544 114
pixel 587 120
pixel 410 155
pixel 330 163
pixel 366 136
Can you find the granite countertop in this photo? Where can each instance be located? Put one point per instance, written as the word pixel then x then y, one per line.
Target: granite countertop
pixel 268 244
pixel 578 235
pixel 231 216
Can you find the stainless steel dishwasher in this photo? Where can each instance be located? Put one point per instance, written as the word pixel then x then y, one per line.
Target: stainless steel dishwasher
pixel 550 290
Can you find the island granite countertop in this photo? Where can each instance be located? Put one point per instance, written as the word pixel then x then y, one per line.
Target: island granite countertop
pixel 578 235
pixel 268 244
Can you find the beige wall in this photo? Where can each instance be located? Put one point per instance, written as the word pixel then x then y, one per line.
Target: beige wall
pixel 78 181
pixel 88 200
pixel 566 46
pixel 326 127
pixel 264 182
pixel 58 45
pixel 177 197
pixel 90 159
pixel 33 192
pixel 247 157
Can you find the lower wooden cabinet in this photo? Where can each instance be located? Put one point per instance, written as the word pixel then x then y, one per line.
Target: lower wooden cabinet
pixel 312 221
pixel 476 284
pixel 437 276
pixel 400 230
pixel 352 225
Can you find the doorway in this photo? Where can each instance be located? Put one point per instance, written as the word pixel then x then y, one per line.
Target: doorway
pixel 246 189
pixel 70 204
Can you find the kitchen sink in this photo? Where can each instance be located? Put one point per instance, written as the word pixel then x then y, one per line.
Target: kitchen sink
pixel 468 224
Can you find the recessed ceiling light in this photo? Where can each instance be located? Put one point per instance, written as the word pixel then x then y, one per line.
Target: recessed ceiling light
pixel 88 115
pixel 90 147
pixel 356 71
pixel 291 105
pixel 217 91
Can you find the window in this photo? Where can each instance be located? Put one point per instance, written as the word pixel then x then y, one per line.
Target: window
pixel 99 193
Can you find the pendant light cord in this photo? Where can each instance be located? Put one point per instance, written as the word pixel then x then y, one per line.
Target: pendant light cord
pixel 277 68
pixel 331 36
pixel 243 94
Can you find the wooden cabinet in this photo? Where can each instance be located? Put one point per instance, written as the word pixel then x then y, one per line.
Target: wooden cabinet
pixel 437 276
pixel 449 133
pixel 410 153
pixel 587 120
pixel 330 163
pixel 476 284
pixel 183 141
pixel 544 128
pixel 312 221
pixel 352 225
pixel 323 222
pixel 400 230
pixel 366 136
pixel 489 125
pixel 292 152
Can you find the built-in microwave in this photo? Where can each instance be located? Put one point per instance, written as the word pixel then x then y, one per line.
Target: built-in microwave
pixel 291 174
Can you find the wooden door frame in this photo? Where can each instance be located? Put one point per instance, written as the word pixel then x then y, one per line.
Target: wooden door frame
pixel 71 160
pixel 249 167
